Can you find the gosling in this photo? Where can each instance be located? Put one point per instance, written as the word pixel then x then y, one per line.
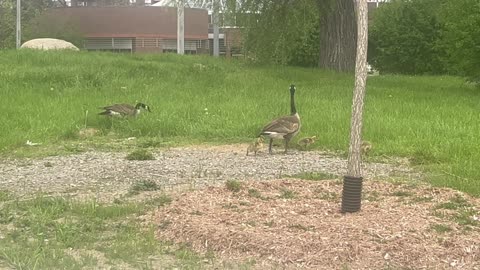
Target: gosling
pixel 366 147
pixel 255 146
pixel 305 142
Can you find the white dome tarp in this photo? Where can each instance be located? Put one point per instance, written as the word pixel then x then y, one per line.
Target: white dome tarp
pixel 49 44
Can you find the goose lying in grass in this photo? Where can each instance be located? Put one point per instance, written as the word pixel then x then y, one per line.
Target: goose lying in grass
pixel 305 142
pixel 123 110
pixel 285 127
pixel 255 146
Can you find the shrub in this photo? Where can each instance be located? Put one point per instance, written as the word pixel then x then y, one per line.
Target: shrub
pixel 140 154
pixel 461 37
pixel 403 38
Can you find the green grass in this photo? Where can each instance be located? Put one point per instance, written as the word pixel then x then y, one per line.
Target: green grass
pixel 140 154
pixel 314 176
pixel 433 120
pixel 58 233
pixel 441 228
pixel 144 185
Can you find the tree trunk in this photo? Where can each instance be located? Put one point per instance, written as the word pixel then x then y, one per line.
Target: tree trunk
pixel 337 35
pixel 73 3
pixel 353 181
pixel 354 153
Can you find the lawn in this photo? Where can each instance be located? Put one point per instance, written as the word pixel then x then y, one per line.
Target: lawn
pixel 47 97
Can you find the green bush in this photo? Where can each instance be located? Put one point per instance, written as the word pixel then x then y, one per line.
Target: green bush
pixel 461 37
pixel 403 37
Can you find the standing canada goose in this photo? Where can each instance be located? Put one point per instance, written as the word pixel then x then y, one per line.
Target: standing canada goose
pixel 123 109
pixel 305 142
pixel 285 127
pixel 255 145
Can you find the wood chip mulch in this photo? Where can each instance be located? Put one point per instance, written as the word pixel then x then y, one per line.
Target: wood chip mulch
pixel 297 224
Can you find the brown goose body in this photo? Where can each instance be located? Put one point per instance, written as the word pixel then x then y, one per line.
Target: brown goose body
pixel 123 109
pixel 285 127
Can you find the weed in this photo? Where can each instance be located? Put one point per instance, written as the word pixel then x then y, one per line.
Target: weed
pixel 441 228
pixel 255 193
pixel 269 223
pixel 5 195
pixel 328 195
pixel 48 164
pixel 196 213
pixel 455 202
pixel 465 218
pixel 402 193
pixel 371 196
pixel 233 185
pixel 144 185
pixel 420 199
pixel 287 194
pixel 315 176
pixel 300 227
pixel 230 206
pixel 140 154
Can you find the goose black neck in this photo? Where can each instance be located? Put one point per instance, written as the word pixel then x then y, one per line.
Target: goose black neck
pixel 293 110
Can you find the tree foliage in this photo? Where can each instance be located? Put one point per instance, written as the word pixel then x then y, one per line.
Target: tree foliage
pixel 461 37
pixel 404 37
pixel 30 9
pixel 281 32
pixel 427 36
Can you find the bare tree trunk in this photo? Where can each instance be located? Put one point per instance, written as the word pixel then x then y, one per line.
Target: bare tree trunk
pixel 354 153
pixel 353 181
pixel 337 35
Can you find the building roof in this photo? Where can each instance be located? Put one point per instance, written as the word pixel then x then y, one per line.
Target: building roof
pixel 156 22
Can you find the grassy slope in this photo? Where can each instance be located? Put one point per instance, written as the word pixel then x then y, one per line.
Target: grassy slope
pixel 44 97
pixel 60 233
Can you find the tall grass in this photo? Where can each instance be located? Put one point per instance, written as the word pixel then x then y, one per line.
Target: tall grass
pixel 45 96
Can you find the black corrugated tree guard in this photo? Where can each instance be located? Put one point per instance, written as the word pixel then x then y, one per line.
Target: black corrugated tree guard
pixel 352 182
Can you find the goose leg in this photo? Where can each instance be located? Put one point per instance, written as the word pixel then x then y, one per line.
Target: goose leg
pixel 286 145
pixel 270 146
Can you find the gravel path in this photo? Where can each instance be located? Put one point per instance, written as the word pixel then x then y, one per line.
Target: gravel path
pixel 100 173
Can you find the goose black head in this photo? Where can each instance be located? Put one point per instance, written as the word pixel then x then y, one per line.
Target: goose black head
pixel 141 105
pixel 292 89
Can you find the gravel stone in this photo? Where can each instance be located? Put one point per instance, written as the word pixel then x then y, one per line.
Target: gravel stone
pixel 99 173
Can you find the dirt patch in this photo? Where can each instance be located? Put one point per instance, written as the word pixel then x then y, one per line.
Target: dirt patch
pixel 296 223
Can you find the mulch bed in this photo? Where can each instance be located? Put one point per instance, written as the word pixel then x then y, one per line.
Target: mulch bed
pixel 296 223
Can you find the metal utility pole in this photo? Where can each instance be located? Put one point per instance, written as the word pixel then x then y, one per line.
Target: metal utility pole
pixel 216 30
pixel 180 28
pixel 352 182
pixel 19 24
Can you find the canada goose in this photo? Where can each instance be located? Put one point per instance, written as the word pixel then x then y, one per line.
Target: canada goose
pixel 366 147
pixel 285 127
pixel 305 142
pixel 123 109
pixel 255 145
